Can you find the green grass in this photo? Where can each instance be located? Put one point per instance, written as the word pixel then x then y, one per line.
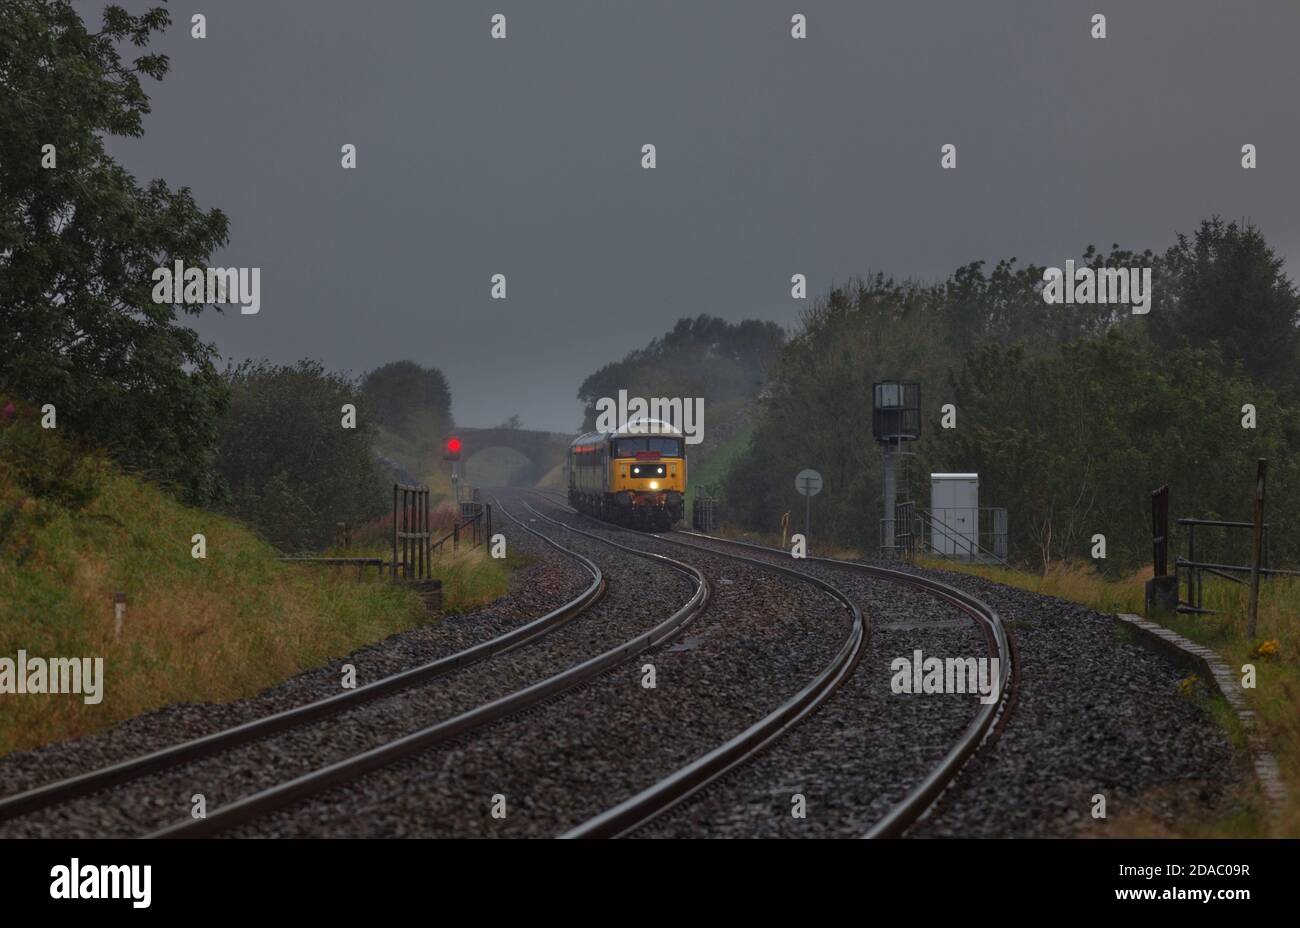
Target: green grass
pixel 714 468
pixel 74 530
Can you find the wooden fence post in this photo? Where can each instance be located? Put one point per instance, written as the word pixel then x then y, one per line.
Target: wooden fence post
pixel 406 534
pixel 1253 620
pixel 393 574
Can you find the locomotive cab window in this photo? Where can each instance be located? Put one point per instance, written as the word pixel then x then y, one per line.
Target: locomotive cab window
pixel 652 444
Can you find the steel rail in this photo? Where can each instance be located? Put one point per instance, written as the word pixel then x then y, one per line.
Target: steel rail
pixel 922 797
pixel 679 786
pixel 259 804
pixel 93 781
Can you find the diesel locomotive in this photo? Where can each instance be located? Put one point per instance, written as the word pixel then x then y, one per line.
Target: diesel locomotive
pixel 635 476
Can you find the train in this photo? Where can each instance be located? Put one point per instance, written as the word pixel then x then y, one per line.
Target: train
pixel 635 476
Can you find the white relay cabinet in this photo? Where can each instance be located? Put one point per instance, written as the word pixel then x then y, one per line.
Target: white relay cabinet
pixel 955 514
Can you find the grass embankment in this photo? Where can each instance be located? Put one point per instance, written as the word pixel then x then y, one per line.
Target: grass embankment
pixel 74 530
pixel 417 449
pixel 714 467
pixel 1274 651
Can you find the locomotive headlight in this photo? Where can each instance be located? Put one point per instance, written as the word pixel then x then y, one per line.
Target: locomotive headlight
pixel 636 470
pixel 654 484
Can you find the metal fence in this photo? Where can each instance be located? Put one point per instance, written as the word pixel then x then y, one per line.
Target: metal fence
pixel 474 526
pixel 1207 558
pixel 704 511
pixel 413 544
pixel 976 534
pixel 1194 570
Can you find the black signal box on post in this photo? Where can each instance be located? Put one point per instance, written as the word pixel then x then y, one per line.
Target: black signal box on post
pixel 896 411
pixel 451 450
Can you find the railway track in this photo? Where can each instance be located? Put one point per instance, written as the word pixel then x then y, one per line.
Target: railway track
pixel 639 810
pixel 607 737
pixel 988 719
pixel 627 816
pixel 86 784
pixel 281 795
pixel 708 768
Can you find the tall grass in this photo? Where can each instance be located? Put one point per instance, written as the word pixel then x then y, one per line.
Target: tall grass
pixel 211 629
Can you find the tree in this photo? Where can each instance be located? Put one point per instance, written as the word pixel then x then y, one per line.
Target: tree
pixel 1226 288
pixel 1071 415
pixel 293 469
pixel 1074 443
pixel 705 356
pixel 80 240
pixel 400 392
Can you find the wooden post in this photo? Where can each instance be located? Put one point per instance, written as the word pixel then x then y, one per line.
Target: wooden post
pixel 428 537
pixel 119 612
pixel 1253 620
pixel 1162 589
pixel 406 534
pixel 1160 531
pixel 393 574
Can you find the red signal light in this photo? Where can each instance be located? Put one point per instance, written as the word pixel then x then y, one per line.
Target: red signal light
pixel 452 449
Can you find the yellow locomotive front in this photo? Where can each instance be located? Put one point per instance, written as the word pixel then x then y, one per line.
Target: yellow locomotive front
pixel 631 478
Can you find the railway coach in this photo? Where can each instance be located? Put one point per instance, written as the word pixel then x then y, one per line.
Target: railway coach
pixel 635 476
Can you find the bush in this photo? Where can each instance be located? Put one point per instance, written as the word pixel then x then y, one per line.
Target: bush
pixel 293 470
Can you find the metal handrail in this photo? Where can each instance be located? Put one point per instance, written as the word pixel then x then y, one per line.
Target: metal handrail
pixel 926 517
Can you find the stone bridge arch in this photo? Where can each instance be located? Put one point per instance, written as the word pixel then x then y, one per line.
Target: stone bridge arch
pixel 544 450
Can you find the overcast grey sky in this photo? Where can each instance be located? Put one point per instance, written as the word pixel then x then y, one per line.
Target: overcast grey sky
pixel 522 156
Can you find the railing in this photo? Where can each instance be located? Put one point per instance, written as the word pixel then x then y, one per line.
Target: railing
pixel 905 538
pixel 475 521
pixel 1196 570
pixel 704 512
pixel 342 541
pixel 360 563
pixel 949 533
pixel 413 544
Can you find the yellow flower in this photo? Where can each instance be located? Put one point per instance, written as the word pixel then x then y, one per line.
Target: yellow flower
pixel 1267 648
